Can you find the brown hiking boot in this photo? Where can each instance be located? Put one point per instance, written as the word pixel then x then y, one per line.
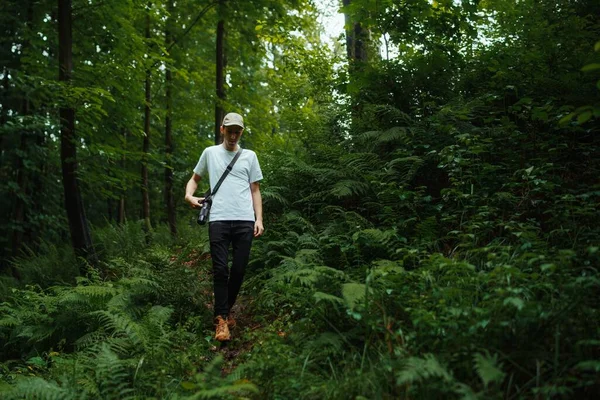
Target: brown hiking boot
pixel 231 321
pixel 222 330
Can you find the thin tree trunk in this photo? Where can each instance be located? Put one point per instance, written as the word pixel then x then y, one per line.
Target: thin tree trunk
pixel 169 198
pixel 146 148
pixel 4 113
pixel 357 43
pixel 19 209
pixel 220 73
pixel 18 218
pixel 78 226
pixel 121 213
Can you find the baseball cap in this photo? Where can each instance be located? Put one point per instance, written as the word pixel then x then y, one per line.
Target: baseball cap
pixel 233 119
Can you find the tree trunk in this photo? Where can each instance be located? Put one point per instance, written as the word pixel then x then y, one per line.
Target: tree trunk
pixel 357 38
pixel 169 198
pixel 78 226
pixel 146 148
pixel 18 218
pixel 221 63
pixel 22 181
pixel 357 44
pixel 121 213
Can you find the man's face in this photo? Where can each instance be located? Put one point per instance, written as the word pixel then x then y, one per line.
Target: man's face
pixel 231 136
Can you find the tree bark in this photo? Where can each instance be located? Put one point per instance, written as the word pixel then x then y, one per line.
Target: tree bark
pixel 121 212
pixel 169 197
pixel 357 37
pixel 19 209
pixel 146 146
pixel 220 72
pixel 357 44
pixel 78 226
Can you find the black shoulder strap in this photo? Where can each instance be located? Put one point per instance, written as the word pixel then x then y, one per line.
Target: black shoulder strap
pixel 226 172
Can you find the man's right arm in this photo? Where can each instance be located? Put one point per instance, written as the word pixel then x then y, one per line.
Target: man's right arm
pixel 190 189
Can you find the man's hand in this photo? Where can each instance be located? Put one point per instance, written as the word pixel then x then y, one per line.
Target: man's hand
pixel 258 228
pixel 195 202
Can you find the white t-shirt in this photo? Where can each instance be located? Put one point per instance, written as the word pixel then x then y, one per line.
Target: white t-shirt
pixel 233 200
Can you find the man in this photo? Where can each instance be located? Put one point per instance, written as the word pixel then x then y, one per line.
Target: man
pixel 235 215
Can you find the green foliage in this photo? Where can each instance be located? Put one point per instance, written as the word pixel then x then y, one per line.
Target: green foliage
pixel 432 225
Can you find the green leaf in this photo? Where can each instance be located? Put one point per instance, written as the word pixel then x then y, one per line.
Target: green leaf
pixel 353 293
pixel 488 368
pixel 188 385
pixel 328 298
pixel 584 117
pixel 589 365
pixel 36 361
pixel 515 301
pixel 597 46
pixel 566 118
pixel 591 67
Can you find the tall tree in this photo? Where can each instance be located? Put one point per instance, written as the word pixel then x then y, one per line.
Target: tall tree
pixel 146 146
pixel 78 226
pixel 220 72
pixel 169 198
pixel 357 36
pixel 19 203
pixel 358 39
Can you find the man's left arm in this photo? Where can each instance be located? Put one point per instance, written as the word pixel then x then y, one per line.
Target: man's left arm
pixel 257 204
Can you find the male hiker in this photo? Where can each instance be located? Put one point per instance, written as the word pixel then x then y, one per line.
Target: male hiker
pixel 235 215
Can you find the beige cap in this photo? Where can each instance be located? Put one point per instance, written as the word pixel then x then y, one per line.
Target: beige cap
pixel 233 119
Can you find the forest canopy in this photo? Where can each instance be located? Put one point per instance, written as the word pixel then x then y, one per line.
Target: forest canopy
pixel 430 197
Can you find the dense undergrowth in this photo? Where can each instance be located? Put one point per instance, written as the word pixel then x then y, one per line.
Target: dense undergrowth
pixel 432 232
pixel 423 260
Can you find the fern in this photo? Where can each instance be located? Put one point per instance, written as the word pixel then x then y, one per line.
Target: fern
pixel 209 384
pixel 396 134
pixel 120 324
pixel 488 368
pixel 353 293
pixel 39 389
pixel 348 188
pixel 113 376
pixel 271 194
pixel 321 297
pixel 405 168
pixel 416 370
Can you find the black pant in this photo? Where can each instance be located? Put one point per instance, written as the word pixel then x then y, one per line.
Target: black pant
pixel 227 283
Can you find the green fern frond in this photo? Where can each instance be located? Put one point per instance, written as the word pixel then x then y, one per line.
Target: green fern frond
pixel 307 241
pixel 295 219
pixel 353 293
pixel 309 277
pixel 321 297
pixel 327 343
pixel 90 339
pixel 271 194
pixel 405 168
pixel 159 315
pixel 428 229
pixel 396 134
pixel 360 162
pixel 140 285
pixel 348 188
pixel 120 324
pixel 391 115
pixel 210 385
pixel 39 389
pixel 419 369
pixel 113 376
pixel 304 277
pixel 224 392
pixel 488 368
